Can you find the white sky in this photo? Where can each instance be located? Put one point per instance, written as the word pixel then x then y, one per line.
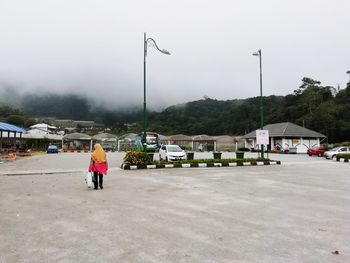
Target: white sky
pixel 95 47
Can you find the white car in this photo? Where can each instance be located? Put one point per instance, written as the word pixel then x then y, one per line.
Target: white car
pixel 171 152
pixel 333 152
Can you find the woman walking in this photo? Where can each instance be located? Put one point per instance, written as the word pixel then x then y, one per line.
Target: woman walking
pixel 98 165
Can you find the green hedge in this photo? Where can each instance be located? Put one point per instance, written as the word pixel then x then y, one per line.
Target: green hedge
pixel 141 158
pixel 223 161
pixel 342 144
pixel 343 155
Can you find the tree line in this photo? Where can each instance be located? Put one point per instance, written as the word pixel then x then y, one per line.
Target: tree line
pixel 313 106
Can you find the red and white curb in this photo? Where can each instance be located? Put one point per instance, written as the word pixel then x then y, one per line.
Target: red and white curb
pixel 196 165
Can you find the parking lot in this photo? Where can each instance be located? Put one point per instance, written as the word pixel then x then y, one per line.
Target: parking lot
pixel 295 212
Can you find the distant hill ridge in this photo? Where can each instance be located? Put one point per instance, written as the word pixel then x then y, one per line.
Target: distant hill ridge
pixel 317 107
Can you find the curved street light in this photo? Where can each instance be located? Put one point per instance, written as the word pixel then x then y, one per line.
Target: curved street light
pixel 147 41
pixel 258 54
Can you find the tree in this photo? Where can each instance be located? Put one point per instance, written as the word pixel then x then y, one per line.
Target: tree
pixel 16 120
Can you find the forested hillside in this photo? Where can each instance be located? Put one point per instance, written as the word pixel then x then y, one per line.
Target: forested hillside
pixel 317 107
pixel 320 108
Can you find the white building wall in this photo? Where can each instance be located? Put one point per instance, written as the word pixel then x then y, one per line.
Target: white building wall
pixel 301 144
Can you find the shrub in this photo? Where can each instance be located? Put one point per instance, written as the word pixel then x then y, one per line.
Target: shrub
pixel 342 144
pixel 137 158
pixel 343 155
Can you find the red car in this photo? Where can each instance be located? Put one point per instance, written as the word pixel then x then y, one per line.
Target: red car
pixel 319 151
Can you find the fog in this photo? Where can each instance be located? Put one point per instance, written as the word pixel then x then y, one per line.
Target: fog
pixel 95 48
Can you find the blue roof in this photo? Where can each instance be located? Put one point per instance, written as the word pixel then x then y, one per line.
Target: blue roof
pixel 10 128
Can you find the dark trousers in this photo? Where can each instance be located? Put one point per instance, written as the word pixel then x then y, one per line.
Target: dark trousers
pixel 98 180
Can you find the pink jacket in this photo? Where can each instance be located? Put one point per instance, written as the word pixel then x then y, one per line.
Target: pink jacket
pixel 99 167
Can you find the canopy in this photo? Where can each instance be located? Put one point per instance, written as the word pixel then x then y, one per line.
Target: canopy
pixel 105 137
pixel 77 136
pixel 10 128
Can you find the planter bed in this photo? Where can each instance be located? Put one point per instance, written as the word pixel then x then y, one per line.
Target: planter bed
pixel 215 163
pixel 345 160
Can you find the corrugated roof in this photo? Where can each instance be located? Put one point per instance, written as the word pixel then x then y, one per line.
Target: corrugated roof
pixel 202 137
pixel 105 136
pixel 224 139
pixel 128 136
pixel 10 128
pixel 77 136
pixel 180 137
pixel 162 137
pixel 287 129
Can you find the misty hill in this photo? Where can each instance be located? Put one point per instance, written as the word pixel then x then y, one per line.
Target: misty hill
pixel 72 106
pixel 214 117
pixel 317 107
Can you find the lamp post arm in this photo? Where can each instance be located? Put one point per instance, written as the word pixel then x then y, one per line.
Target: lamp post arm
pixel 154 42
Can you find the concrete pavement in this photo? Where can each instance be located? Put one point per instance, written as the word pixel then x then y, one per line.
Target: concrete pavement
pixel 296 212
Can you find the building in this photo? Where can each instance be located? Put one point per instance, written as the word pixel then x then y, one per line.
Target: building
pixel 203 142
pixel 107 140
pixel 10 137
pixel 77 141
pixel 44 127
pixel 287 136
pixel 226 143
pixel 128 141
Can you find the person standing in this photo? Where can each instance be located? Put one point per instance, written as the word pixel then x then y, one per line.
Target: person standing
pixel 98 165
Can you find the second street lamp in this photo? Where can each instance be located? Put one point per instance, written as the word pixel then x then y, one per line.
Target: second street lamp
pixel 258 53
pixel 164 51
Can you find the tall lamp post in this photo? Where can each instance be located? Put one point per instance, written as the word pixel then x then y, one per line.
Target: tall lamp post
pixel 164 51
pixel 258 54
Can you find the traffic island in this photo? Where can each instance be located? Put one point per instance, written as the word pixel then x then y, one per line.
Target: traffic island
pixel 127 166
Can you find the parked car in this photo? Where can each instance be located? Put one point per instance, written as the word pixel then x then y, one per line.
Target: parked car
pixel 52 149
pixel 333 152
pixel 318 151
pixel 171 152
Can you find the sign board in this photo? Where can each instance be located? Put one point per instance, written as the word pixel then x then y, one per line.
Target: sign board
pixel 262 137
pixel 295 141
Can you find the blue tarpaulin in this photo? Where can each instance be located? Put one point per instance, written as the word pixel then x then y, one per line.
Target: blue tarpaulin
pixel 10 128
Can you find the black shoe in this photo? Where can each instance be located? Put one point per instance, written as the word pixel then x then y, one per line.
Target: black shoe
pixel 95 188
pixel 101 187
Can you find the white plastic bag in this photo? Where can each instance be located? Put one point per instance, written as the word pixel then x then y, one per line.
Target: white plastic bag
pixel 88 179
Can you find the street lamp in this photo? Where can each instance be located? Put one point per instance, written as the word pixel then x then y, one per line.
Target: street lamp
pixel 258 54
pixel 164 51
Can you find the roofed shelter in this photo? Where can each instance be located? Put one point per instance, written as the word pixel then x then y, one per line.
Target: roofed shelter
pixel 128 141
pixel 107 140
pixel 203 142
pixel 184 141
pixel 9 134
pixel 77 141
pixel 286 135
pixel 162 139
pixel 225 143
